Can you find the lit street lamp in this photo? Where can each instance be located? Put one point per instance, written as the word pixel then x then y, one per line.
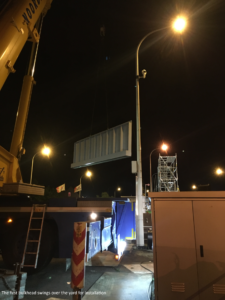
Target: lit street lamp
pixel 164 148
pixel 194 187
pixel 45 151
pixel 219 171
pixel 139 202
pixel 118 189
pixel 178 25
pixel 88 174
pixel 147 184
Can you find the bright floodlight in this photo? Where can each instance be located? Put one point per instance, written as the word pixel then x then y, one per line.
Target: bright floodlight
pixel 93 216
pixel 179 24
pixel 46 151
pixel 194 187
pixel 88 174
pixel 123 245
pixel 219 171
pixel 164 147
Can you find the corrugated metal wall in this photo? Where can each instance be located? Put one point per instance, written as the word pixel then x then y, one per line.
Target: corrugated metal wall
pixel 112 144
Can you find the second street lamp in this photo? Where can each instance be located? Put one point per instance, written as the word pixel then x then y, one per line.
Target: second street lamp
pixel 88 174
pixel 164 148
pixel 219 171
pixel 117 189
pixel 147 184
pixel 45 151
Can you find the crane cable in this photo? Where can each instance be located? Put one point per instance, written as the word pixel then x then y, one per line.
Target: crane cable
pixel 94 101
pixel 104 67
pixel 102 34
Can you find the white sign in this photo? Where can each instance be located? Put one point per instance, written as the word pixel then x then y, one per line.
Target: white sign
pixel 60 188
pixel 78 188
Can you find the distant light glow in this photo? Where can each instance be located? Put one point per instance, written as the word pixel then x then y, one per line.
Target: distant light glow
pixel 164 147
pixel 179 24
pixel 219 171
pixel 93 216
pixel 88 174
pixel 116 256
pixel 9 221
pixel 194 187
pixel 118 189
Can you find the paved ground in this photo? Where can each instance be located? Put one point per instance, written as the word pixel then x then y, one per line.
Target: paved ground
pixel 105 278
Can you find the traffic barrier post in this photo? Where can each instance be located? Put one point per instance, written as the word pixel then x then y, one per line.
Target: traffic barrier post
pixel 78 259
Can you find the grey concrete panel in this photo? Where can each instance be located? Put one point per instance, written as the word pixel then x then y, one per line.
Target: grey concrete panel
pixel 109 145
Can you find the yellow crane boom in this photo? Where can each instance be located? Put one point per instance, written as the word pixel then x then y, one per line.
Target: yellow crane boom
pixel 20 21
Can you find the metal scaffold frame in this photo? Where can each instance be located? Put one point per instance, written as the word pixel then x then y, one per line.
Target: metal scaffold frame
pixel 167 174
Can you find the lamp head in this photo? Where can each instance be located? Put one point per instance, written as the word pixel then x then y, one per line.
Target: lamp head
pixel 219 171
pixel 88 174
pixel 179 24
pixel 164 147
pixel 46 151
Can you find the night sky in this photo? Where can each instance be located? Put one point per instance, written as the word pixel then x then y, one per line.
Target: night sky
pixel 86 84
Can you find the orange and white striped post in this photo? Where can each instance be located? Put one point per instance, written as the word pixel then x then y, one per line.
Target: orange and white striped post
pixel 78 258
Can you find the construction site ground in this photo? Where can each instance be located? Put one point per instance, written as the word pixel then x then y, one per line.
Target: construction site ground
pixel 105 278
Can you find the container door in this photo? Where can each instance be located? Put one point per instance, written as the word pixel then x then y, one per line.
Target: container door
pixel 174 251
pixel 209 218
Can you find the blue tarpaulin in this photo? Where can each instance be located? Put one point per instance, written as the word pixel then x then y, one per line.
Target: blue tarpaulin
pixel 125 220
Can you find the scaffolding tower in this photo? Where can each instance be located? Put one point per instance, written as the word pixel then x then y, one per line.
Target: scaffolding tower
pixel 167 174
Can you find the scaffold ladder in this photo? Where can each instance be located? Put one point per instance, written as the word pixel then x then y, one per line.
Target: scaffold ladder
pixel 37 213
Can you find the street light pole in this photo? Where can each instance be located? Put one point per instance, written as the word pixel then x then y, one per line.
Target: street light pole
pixel 178 26
pixel 150 156
pixel 117 189
pixel 147 184
pixel 164 148
pixel 80 187
pixel 32 164
pixel 139 202
pixel 88 174
pixel 44 151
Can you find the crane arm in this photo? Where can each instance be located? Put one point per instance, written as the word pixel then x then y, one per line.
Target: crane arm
pixel 17 21
pixel 17 25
